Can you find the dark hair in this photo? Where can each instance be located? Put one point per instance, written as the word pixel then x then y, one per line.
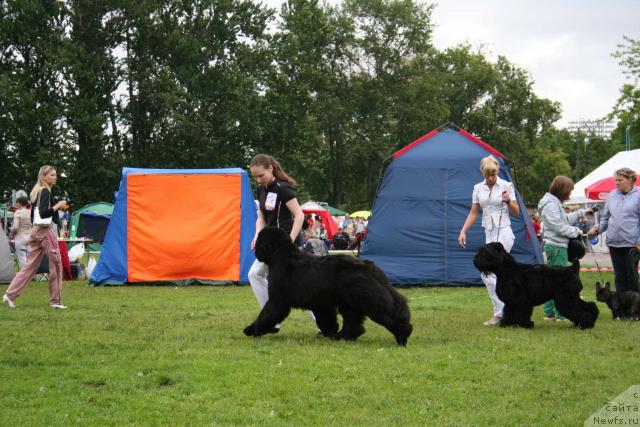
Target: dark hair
pixel 266 160
pixel 23 200
pixel 561 187
pixel 627 173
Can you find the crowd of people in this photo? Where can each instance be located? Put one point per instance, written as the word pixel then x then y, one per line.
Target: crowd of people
pixel 555 225
pixel 494 197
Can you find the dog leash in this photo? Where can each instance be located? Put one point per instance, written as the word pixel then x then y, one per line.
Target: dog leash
pixel 595 259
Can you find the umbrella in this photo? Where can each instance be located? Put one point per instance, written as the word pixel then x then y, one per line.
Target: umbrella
pixel 600 190
pixel 335 211
pixel 361 214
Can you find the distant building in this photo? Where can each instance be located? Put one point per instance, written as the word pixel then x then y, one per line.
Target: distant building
pixel 601 128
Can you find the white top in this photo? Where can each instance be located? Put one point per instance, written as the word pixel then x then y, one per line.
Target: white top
pixel 495 213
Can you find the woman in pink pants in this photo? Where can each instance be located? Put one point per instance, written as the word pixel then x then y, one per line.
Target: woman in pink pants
pixel 43 240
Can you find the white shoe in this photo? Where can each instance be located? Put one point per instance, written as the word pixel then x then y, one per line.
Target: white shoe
pixel 58 306
pixel 10 303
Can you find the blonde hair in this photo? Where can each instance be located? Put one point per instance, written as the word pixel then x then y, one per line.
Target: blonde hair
pixel 35 191
pixel 627 173
pixel 489 165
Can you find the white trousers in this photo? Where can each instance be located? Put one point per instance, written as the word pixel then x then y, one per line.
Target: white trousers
pixel 258 278
pixel 505 236
pixel 22 249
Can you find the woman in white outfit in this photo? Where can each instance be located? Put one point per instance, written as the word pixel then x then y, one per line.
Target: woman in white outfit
pixel 497 198
pixel 21 229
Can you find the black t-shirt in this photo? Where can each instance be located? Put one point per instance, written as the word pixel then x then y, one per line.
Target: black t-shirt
pixel 273 205
pixel 45 205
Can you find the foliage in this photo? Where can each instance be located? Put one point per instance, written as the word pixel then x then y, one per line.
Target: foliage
pixel 332 90
pixel 177 356
pixel 627 109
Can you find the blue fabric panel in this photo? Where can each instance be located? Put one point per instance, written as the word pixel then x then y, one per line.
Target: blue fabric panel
pixel 247 227
pixel 112 265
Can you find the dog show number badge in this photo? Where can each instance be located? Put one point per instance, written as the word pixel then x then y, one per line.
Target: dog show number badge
pixel 270 201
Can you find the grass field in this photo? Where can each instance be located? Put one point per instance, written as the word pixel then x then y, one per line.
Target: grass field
pixel 177 356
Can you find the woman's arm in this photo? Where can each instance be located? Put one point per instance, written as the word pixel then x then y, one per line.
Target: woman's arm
pixel 471 218
pixel 259 227
pixel 552 215
pixel 298 217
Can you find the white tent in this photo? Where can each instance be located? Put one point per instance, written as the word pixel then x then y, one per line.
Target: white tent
pixel 624 159
pixel 7 271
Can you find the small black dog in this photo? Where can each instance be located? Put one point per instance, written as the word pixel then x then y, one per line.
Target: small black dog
pixel 623 305
pixel 326 286
pixel 523 286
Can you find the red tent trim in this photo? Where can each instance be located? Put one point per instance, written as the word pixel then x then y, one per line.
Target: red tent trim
pixel 462 132
pixel 481 143
pixel 408 147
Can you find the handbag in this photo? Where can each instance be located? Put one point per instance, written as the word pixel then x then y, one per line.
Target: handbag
pixel 576 249
pixel 37 220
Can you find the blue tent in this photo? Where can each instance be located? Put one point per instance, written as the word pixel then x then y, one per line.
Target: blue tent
pixel 421 205
pixel 179 226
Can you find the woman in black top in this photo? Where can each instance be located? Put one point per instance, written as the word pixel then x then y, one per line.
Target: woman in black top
pixel 43 240
pixel 278 208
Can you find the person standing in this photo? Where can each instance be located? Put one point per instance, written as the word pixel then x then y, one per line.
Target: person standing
pixel 21 229
pixel 497 199
pixel 621 220
pixel 43 240
pixel 559 227
pixel 279 208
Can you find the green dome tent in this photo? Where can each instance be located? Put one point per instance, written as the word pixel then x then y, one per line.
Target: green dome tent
pixel 97 208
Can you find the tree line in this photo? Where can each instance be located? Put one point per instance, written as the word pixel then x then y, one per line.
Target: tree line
pixel 332 91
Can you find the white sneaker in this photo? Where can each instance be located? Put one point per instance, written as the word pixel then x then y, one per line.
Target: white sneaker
pixel 58 306
pixel 10 303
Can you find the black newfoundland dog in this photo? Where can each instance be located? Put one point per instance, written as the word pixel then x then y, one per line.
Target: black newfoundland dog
pixel 523 286
pixel 327 286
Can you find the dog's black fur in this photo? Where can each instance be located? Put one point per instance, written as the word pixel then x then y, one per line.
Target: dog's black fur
pixel 623 305
pixel 523 286
pixel 326 286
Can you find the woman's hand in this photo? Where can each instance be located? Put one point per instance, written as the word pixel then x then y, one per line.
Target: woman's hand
pixel 505 197
pixel 462 239
pixel 253 244
pixel 61 205
pixel 593 231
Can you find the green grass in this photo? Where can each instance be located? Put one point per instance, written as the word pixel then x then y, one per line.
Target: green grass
pixel 177 356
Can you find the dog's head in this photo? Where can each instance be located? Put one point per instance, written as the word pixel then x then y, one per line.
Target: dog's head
pixel 491 257
pixel 603 293
pixel 270 241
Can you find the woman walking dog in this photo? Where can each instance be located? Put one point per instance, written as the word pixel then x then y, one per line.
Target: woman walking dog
pixel 497 198
pixel 43 240
pixel 279 208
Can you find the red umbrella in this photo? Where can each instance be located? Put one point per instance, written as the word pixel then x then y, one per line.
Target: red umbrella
pixel 600 190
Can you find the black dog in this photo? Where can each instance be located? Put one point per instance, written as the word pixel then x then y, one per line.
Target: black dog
pixel 623 305
pixel 523 286
pixel 327 285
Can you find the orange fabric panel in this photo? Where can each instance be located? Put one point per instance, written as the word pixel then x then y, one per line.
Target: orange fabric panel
pixel 183 227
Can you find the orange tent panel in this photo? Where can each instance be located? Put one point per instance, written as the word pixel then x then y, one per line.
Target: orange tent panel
pixel 183 226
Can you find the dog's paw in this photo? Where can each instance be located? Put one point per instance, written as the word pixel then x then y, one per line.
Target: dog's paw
pixel 250 331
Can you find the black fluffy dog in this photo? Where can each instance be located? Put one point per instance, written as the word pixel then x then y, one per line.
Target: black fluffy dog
pixel 623 305
pixel 523 286
pixel 326 286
